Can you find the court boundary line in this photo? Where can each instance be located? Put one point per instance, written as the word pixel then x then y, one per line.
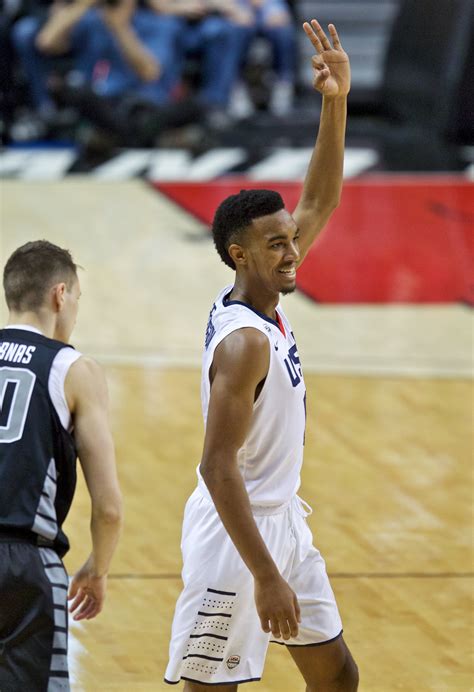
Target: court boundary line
pixel 458 370
pixel 334 575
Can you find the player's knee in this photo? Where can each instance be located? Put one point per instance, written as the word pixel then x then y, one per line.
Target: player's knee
pixel 344 679
pixel 348 677
pixel 352 674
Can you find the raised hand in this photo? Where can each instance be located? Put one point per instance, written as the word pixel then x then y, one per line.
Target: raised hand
pixel 331 67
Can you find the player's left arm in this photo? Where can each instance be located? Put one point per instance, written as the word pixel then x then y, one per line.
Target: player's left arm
pixel 86 393
pixel 323 183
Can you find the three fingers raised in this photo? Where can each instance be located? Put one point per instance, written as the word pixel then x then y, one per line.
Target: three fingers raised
pixel 319 39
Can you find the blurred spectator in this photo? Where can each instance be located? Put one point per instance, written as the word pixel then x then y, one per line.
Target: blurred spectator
pixel 7 15
pixel 216 31
pixel 123 60
pixel 272 20
pixel 10 89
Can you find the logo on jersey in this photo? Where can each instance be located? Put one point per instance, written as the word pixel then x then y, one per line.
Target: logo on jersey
pixel 210 329
pixel 293 366
pixel 233 662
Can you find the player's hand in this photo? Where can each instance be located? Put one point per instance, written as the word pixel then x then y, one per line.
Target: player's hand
pixel 277 607
pixel 331 67
pixel 86 593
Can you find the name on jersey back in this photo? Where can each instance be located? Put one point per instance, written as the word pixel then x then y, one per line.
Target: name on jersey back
pixel 16 353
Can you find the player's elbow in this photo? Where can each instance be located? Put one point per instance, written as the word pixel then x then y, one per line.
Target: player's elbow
pixel 109 511
pixel 324 213
pixel 208 473
pixel 330 206
pixel 335 202
pixel 214 473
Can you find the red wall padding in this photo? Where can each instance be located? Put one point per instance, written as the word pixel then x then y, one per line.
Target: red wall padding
pixel 392 240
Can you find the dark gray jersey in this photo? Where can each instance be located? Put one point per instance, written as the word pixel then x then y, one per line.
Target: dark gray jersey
pixel 37 455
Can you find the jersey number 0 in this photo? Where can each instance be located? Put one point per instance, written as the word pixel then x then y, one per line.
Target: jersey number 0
pixel 16 387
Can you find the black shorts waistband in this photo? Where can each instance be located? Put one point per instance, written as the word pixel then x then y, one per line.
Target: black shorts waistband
pixel 9 534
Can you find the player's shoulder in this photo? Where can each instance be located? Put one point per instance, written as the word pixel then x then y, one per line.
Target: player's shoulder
pixel 243 351
pixel 85 383
pixel 247 339
pixel 85 373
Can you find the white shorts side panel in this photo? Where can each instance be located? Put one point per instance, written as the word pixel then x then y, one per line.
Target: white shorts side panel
pixel 216 634
pixel 307 576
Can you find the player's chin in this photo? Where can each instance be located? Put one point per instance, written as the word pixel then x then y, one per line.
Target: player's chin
pixel 285 290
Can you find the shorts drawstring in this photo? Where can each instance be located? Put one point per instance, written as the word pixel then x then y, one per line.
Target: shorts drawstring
pixel 303 508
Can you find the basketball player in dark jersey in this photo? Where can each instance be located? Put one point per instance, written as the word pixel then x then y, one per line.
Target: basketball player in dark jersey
pixel 53 408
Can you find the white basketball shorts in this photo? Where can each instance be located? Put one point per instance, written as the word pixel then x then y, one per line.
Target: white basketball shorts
pixel 216 635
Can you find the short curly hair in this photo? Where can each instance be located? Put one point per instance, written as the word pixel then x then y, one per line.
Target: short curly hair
pixel 236 213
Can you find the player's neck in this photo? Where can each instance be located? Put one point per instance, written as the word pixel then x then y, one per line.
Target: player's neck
pixel 44 323
pixel 260 300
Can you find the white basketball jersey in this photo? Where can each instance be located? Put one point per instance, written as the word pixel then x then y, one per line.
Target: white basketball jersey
pixel 271 457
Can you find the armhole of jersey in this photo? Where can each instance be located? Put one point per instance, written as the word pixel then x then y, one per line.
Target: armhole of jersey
pixel 223 336
pixel 57 376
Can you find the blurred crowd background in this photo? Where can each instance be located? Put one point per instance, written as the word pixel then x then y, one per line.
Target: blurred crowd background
pixel 147 73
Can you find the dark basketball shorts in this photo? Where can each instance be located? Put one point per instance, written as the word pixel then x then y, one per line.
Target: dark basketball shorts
pixel 33 619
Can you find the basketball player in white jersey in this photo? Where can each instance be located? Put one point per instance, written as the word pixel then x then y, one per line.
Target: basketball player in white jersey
pixel 251 573
pixel 53 408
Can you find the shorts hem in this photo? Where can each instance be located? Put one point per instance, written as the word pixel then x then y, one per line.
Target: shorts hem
pixel 210 684
pixel 326 641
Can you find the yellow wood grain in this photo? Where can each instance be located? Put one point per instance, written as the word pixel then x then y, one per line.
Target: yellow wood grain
pixel 387 463
pixel 387 471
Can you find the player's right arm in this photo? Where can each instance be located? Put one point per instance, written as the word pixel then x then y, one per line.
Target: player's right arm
pixel 240 365
pixel 87 397
pixel 322 185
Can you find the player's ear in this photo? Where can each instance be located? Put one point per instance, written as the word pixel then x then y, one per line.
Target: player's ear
pixel 58 293
pixel 238 254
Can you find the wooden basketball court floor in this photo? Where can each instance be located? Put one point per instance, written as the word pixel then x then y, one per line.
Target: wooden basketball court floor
pixel 388 449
